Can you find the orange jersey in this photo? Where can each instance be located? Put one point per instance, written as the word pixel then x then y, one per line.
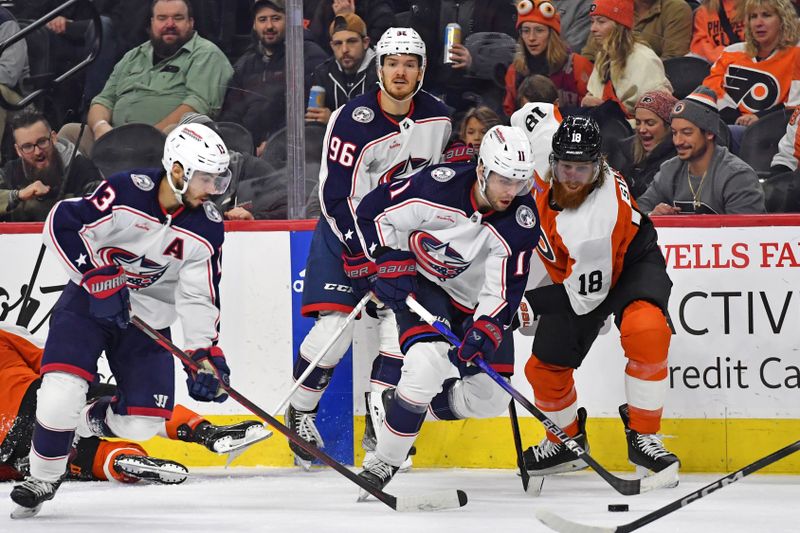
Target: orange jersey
pixel 708 37
pixel 584 248
pixel 788 153
pixel 753 86
pixel 20 360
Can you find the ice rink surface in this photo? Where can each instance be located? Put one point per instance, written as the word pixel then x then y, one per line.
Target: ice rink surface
pixel 322 501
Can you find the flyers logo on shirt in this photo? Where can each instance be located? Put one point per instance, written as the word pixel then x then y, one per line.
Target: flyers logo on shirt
pixel 756 90
pixel 545 249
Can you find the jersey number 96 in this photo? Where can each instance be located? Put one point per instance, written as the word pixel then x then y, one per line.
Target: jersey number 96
pixel 341 152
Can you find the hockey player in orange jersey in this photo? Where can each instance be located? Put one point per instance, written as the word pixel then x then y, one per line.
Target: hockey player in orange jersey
pixel 603 258
pixel 93 458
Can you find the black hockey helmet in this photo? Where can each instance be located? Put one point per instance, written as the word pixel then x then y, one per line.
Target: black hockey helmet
pixel 577 139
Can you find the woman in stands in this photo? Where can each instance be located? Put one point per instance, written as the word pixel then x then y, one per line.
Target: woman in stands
pixel 640 156
pixel 753 78
pixel 717 24
pixel 541 50
pixel 625 68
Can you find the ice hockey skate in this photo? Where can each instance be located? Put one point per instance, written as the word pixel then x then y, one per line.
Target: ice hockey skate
pixel 376 413
pixel 225 439
pixel 30 495
pixel 304 424
pixel 646 451
pixel 145 468
pixel 376 473
pixel 549 457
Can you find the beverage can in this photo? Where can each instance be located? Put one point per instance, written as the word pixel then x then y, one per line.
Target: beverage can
pixel 452 35
pixel 316 98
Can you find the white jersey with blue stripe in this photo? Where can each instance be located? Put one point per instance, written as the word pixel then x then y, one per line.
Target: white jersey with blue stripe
pixel 172 261
pixel 480 259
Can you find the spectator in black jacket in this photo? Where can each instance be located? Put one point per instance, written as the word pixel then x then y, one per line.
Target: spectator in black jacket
pixel 32 184
pixel 350 72
pixel 378 15
pixel 256 96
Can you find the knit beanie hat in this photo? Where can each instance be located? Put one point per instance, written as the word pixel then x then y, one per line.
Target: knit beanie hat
pixel 620 11
pixel 540 12
pixel 699 108
pixel 659 102
pixel 348 22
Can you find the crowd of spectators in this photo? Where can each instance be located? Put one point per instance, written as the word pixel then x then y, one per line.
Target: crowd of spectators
pixel 163 62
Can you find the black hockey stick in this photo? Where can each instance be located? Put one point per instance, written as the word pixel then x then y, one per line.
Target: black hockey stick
pixel 423 502
pixel 627 487
pixel 523 472
pixel 563 525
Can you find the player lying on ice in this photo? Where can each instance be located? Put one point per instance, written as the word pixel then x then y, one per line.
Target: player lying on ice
pixel 459 237
pixel 93 458
pixel 147 242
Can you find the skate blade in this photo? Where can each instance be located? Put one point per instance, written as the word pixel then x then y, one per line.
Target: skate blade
pixel 571 466
pixel 20 512
pixel 253 435
pixel 302 463
pixel 169 474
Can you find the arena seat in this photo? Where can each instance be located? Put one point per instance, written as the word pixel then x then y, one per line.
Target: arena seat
pixel 760 140
pixel 128 146
pixel 685 74
pixel 236 137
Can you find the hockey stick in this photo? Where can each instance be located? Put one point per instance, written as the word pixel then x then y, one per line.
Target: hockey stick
pixel 424 502
pixel 563 525
pixel 523 472
pixel 627 487
pixel 313 364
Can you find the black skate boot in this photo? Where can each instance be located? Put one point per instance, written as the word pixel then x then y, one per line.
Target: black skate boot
pixel 646 451
pixel 304 424
pixel 376 473
pixel 376 414
pixel 30 495
pixel 550 458
pixel 145 468
pixel 225 439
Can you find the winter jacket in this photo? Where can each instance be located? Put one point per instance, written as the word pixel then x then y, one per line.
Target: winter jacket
pixel 571 82
pixel 340 87
pixel 640 175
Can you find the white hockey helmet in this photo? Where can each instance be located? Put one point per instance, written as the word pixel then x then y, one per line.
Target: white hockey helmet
pixel 506 150
pixel 201 153
pixel 400 41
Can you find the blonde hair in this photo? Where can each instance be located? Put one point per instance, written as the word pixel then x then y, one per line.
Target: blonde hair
pixel 789 27
pixel 556 54
pixel 612 57
pixel 712 6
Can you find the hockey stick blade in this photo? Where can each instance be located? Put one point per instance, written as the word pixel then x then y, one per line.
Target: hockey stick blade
pixel 523 473
pixel 421 503
pixel 558 523
pixel 626 487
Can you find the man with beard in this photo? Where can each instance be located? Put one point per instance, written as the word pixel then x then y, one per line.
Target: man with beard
pixel 351 70
pixel 145 242
pixel 258 87
pixel 156 83
pixel 602 256
pixel 386 134
pixel 32 184
pixel 704 178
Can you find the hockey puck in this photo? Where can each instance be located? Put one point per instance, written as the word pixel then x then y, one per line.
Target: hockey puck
pixel 618 507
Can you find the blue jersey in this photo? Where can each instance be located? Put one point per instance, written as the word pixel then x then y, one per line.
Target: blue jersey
pixel 364 147
pixel 172 261
pixel 480 259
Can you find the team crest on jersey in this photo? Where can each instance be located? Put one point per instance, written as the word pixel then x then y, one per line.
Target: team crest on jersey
pixel 436 257
pixel 212 212
pixel 404 169
pixel 754 89
pixel 526 217
pixel 443 174
pixel 363 114
pixel 143 182
pixel 141 271
pixel 545 250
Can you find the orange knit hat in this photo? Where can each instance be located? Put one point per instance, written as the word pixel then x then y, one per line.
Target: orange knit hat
pixel 620 11
pixel 540 12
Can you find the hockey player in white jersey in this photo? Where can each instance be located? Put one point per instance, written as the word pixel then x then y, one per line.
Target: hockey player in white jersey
pixel 148 241
pixel 459 237
pixel 385 134
pixel 539 121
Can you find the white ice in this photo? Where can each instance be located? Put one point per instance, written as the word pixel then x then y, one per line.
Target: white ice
pixel 322 501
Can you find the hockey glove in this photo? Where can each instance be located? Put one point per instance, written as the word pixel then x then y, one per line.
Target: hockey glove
pixel 205 385
pixel 110 299
pixel 397 278
pixel 361 272
pixel 482 339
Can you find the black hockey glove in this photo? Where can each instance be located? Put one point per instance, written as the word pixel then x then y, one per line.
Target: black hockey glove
pixel 205 385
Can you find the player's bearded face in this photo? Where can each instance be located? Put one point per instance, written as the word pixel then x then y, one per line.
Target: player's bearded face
pixel 572 182
pixel 400 74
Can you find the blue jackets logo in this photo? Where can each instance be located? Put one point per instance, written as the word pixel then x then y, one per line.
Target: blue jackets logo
pixel 435 257
pixel 141 271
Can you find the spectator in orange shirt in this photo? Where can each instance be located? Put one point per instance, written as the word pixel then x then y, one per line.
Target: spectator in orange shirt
pixel 717 24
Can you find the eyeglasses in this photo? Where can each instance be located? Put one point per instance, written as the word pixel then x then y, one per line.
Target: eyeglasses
pixel 43 144
pixel 536 30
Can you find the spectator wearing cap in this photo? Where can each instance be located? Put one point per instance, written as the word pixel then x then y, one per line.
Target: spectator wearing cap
pixel 625 68
pixel 664 25
pixel 256 96
pixel 378 15
pixel 350 72
pixel 704 178
pixel 641 155
pixel 541 50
